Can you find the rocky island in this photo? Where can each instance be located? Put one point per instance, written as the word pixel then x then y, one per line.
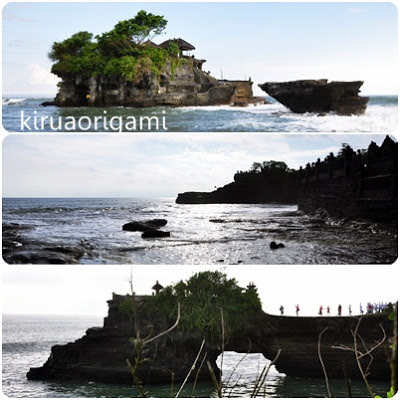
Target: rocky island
pixel 318 96
pixel 101 354
pixel 124 67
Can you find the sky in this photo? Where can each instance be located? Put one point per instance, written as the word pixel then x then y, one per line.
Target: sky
pixel 84 289
pixel 150 165
pixel 264 41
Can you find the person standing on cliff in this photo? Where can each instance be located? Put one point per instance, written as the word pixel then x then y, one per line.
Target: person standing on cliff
pixel 328 310
pixel 281 309
pixel 320 310
pixel 297 310
pixel 350 310
pixel 339 310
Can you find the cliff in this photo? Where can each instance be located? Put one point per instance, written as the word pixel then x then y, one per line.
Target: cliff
pixel 357 185
pixel 101 353
pixel 265 183
pixel 318 96
pixel 182 85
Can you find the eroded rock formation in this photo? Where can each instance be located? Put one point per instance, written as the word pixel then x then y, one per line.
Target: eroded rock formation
pixel 101 354
pixel 318 96
pixel 184 85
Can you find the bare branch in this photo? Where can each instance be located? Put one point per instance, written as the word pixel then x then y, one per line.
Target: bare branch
pixel 214 379
pixel 377 345
pixel 168 330
pixel 237 365
pixel 322 362
pixel 266 372
pixel 193 367
pixel 198 372
pixel 222 346
pixel 355 334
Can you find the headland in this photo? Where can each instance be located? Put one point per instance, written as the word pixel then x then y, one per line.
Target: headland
pixel 101 354
pixel 354 185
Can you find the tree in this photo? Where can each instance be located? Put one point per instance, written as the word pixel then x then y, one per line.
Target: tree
pixel 72 46
pixel 131 33
pixel 269 166
pixel 201 297
pixel 116 53
pixel 145 26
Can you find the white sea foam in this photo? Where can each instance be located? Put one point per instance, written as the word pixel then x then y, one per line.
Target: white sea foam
pixel 8 102
pixel 276 117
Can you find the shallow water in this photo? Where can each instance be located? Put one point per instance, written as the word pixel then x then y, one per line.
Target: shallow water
pixel 27 340
pixel 243 234
pixel 380 116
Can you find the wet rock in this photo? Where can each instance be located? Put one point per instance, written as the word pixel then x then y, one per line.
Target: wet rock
pixel 19 248
pixel 154 233
pixel 274 245
pixel 158 222
pixel 318 96
pixel 48 103
pixel 36 253
pixel 217 221
pixel 142 226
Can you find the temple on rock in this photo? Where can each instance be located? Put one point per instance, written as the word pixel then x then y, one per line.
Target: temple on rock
pixel 180 81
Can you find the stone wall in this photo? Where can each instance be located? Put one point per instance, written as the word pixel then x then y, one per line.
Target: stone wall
pixel 354 185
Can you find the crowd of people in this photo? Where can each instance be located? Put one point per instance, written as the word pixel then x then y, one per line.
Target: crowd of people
pixel 371 308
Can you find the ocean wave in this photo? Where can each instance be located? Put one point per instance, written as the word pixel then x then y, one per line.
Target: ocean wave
pixel 10 102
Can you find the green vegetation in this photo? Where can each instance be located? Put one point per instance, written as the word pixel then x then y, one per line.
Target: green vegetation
pixel 202 297
pixel 121 52
pixel 268 172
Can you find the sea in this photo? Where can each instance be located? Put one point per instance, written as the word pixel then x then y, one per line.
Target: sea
pixel 381 116
pixel 202 234
pixel 27 340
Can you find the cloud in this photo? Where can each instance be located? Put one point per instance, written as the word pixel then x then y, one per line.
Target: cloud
pixel 356 10
pixel 144 166
pixel 7 16
pixel 39 75
pixel 15 43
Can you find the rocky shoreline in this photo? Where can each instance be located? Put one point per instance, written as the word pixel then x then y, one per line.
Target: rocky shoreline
pixel 19 248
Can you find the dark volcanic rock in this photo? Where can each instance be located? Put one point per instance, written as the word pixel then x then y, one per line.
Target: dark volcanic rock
pixel 354 186
pixel 48 103
pixel 19 248
pixel 184 85
pixel 243 193
pixel 155 234
pixel 274 245
pixel 142 226
pixel 318 96
pixel 100 355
